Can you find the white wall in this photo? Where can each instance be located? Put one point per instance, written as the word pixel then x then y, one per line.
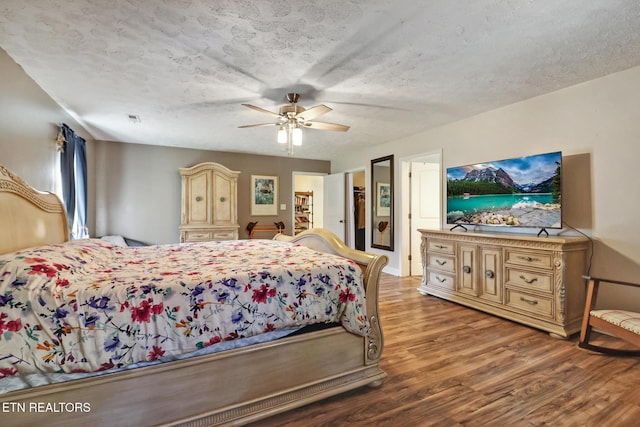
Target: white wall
pixel 596 125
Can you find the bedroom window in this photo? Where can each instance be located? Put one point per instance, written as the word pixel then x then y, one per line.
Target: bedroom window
pixel 73 176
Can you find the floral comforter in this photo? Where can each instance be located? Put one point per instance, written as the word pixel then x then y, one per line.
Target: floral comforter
pixel 87 306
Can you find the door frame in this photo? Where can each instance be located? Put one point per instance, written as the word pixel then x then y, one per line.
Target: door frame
pixel 405 207
pixel 318 205
pixel 350 206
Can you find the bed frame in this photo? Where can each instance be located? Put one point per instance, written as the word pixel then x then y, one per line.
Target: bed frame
pixel 232 387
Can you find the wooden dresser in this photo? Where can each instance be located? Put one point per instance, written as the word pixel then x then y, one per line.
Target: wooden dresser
pixel 209 203
pixel 532 280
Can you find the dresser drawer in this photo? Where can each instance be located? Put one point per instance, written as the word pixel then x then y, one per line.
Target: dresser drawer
pixel 197 236
pixel 224 235
pixel 529 259
pixel 528 303
pixel 530 279
pixel 441 262
pixel 441 246
pixel 441 280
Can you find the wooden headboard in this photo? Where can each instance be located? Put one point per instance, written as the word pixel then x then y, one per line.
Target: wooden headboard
pixel 28 217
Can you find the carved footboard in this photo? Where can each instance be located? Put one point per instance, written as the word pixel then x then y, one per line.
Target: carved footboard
pixel 371 265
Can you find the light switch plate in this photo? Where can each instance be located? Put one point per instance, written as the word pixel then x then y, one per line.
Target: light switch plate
pixel 283 206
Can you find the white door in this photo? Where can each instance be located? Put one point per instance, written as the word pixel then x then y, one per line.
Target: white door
pixel 334 207
pixel 425 206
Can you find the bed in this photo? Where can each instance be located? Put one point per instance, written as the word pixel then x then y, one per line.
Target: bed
pixel 228 387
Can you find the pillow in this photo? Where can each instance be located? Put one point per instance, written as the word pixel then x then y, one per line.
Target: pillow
pixel 116 240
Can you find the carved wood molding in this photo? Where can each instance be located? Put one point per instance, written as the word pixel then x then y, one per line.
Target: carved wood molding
pixel 374 341
pixel 48 202
pixel 559 285
pixel 215 167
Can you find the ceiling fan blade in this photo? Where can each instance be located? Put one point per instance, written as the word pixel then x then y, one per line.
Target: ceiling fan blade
pixel 259 125
pixel 326 126
pixel 313 112
pixel 262 110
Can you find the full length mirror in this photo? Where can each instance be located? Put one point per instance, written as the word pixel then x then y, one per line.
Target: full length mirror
pixel 382 203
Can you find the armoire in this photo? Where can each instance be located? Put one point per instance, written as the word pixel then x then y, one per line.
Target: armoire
pixel 209 203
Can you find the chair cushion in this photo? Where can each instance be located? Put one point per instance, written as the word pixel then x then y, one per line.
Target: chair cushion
pixel 625 319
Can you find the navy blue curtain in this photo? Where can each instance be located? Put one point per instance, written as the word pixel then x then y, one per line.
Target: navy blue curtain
pixel 67 172
pixel 73 170
pixel 81 188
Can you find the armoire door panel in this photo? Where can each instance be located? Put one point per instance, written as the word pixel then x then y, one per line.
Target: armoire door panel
pixel 222 208
pixel 200 198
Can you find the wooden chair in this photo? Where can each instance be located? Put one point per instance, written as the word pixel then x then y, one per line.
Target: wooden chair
pixel 382 227
pixel 622 324
pixel 254 227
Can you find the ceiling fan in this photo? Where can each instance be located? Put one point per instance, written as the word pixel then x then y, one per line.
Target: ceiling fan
pixel 292 118
pixel 295 114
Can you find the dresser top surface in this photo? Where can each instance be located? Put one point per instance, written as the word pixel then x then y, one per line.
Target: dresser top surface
pixel 473 235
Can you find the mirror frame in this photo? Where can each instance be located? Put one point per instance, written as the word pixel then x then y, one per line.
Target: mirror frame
pixel 374 201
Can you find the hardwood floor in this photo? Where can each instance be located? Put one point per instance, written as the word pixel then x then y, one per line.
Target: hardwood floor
pixel 449 365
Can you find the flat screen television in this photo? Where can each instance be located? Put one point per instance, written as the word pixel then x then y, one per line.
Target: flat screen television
pixel 518 192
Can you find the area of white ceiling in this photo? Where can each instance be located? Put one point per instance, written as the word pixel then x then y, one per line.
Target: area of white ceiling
pixel 387 68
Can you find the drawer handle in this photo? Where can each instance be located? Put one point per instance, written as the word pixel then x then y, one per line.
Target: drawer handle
pixel 528 258
pixel 198 198
pixel 441 280
pixel 222 199
pixel 529 301
pixel 529 281
pixel 441 262
pixel 440 246
pixel 466 269
pixel 489 274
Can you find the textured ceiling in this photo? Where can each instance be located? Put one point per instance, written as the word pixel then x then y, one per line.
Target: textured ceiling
pixel 387 68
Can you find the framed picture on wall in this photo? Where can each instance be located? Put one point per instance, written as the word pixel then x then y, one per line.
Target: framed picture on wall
pixel 264 195
pixel 383 199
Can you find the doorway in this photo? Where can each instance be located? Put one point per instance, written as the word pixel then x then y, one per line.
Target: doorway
pixel 307 203
pixel 421 201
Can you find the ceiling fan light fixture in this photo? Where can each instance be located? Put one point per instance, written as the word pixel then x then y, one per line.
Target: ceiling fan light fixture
pixel 291 119
pixel 296 136
pixel 282 135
